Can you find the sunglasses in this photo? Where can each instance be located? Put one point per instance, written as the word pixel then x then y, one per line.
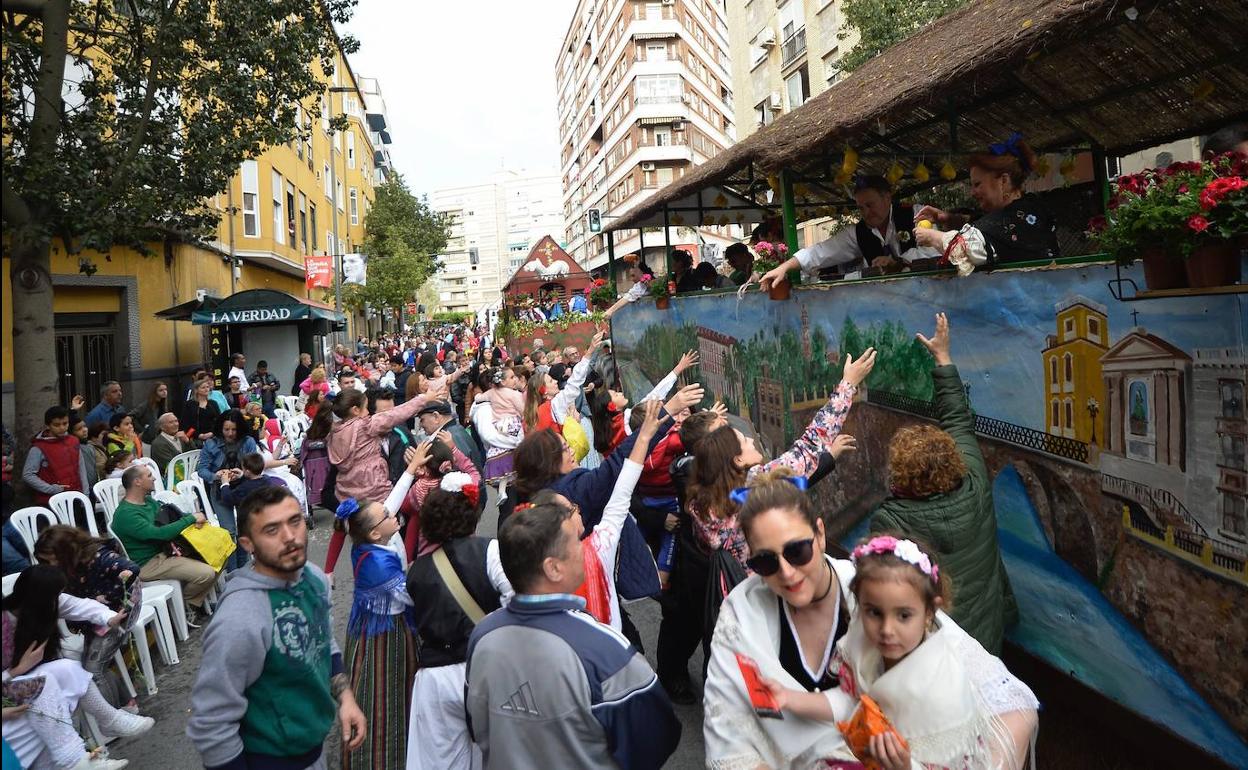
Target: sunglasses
pixel 797 553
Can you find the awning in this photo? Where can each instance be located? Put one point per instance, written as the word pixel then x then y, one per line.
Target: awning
pixel 254 306
pixel 184 311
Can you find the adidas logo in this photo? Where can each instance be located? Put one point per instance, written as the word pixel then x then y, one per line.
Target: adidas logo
pixel 521 702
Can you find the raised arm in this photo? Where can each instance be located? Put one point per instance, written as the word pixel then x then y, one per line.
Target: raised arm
pixel 803 456
pixel 956 417
pixel 566 397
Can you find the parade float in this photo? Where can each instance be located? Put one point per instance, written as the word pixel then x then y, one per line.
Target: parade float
pixel 1109 398
pixel 552 299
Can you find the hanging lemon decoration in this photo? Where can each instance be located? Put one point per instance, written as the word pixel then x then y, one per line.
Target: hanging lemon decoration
pixel 849 163
pixel 1067 167
pixel 921 174
pixel 774 183
pixel 842 178
pixel 1043 166
pixel 720 201
pixel 948 172
pixel 895 173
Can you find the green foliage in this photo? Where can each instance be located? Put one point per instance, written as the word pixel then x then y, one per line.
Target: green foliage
pixel 513 328
pixel 402 237
pixel 661 346
pixel 453 318
pixel 881 23
pixel 166 100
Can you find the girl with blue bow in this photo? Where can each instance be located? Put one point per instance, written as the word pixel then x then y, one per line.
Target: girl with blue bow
pixel 380 650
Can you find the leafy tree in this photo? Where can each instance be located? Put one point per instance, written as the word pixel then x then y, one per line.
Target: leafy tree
pixel 166 98
pixel 881 23
pixel 403 235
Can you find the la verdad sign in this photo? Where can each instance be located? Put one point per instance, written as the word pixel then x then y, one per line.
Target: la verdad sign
pixel 255 315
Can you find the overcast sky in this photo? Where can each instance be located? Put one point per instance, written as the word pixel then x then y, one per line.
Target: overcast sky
pixel 469 84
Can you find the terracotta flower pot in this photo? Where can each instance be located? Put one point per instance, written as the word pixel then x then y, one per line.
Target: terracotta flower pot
pixel 662 303
pixel 1214 264
pixel 780 290
pixel 1163 270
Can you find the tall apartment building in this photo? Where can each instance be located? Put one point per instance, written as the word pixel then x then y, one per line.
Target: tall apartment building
pixel 494 225
pixel 378 122
pixel 783 53
pixel 644 94
pixel 279 207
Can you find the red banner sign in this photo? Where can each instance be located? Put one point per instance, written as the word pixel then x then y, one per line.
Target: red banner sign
pixel 411 308
pixel 318 271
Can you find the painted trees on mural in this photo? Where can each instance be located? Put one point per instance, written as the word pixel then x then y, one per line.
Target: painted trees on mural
pixel 661 346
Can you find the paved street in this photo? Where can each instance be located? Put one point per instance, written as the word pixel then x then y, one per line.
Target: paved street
pixel 167 746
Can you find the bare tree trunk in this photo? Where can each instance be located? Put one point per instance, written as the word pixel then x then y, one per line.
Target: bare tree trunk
pixel 34 331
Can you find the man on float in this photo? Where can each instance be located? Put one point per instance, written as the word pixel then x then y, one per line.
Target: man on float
pixel 882 238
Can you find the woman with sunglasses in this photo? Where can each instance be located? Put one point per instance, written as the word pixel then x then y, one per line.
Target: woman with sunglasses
pixel 786 618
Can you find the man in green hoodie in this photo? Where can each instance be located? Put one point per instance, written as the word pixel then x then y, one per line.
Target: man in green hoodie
pixel 272 676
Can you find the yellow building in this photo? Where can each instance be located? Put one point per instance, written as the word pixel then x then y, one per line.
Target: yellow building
pixel 278 208
pixel 1073 388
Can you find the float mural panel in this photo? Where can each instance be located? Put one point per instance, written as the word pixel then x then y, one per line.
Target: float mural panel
pixel 1115 430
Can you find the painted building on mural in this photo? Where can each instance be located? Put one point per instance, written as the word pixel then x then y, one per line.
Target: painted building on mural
pixel 1072 369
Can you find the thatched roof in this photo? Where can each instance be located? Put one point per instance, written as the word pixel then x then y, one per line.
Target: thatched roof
pixel 1066 73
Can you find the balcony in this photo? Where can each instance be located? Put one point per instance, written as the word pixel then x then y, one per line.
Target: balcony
pixel 794 46
pixel 661 99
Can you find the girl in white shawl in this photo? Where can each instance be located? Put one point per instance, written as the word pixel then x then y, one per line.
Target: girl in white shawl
pixel 954 704
pixel 787 617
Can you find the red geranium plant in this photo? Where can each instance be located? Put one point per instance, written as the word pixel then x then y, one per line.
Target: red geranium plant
pixel 1179 208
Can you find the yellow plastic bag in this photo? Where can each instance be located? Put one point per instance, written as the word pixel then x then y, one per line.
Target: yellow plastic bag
pixel 212 544
pixel 576 437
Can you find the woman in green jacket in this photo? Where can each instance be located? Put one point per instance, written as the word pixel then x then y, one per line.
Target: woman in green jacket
pixel 941 494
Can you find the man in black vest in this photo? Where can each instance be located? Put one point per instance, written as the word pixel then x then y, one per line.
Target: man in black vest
pixel 883 239
pixel 394 444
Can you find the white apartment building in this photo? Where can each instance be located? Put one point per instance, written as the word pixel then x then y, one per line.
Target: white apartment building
pixel 494 225
pixel 644 94
pixel 783 53
pixel 378 128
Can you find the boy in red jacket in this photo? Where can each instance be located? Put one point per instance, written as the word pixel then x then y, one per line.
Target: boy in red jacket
pixel 55 461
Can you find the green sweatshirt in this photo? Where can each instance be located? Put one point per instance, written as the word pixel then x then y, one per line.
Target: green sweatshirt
pixel 135 526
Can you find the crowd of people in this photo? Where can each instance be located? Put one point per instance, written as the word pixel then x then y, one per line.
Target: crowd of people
pixel 464 651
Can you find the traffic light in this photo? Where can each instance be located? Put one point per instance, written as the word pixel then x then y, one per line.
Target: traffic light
pixel 595 220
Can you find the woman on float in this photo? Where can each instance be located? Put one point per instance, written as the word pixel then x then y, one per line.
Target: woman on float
pixel 1015 227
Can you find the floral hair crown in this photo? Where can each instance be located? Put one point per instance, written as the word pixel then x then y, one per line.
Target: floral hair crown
pixel 906 550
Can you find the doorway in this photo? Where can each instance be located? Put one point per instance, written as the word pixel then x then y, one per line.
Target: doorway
pixel 86 354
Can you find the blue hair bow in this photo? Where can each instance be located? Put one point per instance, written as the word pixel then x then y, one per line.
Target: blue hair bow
pixel 1009 147
pixel 740 494
pixel 346 508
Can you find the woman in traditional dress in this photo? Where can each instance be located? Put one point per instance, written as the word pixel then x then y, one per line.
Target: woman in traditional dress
pixel 499 435
pixel 1015 227
pixel 437 737
pixel 786 618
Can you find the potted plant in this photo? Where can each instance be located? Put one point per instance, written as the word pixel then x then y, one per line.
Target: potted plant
pixel 600 294
pixel 768 256
pixel 661 288
pixel 1183 221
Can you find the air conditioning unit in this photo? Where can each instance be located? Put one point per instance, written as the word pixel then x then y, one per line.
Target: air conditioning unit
pixel 678 125
pixel 775 101
pixel 647 167
pixel 767 38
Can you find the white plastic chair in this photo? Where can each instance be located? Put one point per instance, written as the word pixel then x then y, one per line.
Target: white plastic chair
pixel 194 491
pixel 26 521
pixel 63 504
pixel 9 582
pixel 108 492
pixel 282 414
pixel 289 403
pixel 157 474
pixel 147 617
pixel 158 595
pixel 185 463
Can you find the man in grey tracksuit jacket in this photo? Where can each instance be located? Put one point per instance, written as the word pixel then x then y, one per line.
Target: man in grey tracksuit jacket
pixel 548 687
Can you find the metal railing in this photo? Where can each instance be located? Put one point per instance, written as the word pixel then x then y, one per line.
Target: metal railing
pixel 793 47
pixel 1027 438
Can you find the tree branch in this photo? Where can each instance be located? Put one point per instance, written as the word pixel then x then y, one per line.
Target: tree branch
pixel 16 212
pixel 149 102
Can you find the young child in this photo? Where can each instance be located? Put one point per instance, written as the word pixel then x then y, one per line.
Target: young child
pixel 117 463
pixel 428 463
pixel 380 653
pixel 504 401
pixel 56 461
pixel 244 481
pixel 953 702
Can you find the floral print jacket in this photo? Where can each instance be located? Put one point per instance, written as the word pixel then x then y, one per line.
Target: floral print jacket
pixel 716 531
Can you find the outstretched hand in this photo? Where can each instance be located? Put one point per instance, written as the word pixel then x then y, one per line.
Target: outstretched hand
pixel 685 398
pixel 857 370
pixel 938 345
pixel 687 360
pixel 841 444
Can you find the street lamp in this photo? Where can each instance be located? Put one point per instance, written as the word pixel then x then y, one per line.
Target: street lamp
pixel 1093 408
